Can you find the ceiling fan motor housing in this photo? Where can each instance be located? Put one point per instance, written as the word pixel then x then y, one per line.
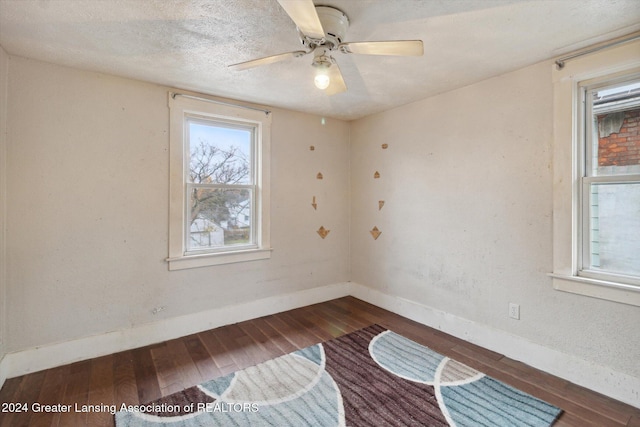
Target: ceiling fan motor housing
pixel 335 24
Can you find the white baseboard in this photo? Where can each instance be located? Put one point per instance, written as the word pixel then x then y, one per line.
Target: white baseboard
pixel 52 355
pixel 601 379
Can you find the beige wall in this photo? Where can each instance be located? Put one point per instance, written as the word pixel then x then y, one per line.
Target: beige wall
pixel 4 74
pixel 467 223
pixel 87 182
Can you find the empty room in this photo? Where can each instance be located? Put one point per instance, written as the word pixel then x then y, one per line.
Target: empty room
pixel 340 213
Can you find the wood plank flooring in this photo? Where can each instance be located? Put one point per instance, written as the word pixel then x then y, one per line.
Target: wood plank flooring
pixel 148 373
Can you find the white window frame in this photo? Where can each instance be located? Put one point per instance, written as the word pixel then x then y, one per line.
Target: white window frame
pixel 585 160
pixel 181 108
pixel 568 136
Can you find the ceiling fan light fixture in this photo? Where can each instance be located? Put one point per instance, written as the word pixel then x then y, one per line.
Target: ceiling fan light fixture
pixel 321 63
pixel 321 80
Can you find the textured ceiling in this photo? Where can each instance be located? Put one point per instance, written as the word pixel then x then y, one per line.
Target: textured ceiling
pixel 188 44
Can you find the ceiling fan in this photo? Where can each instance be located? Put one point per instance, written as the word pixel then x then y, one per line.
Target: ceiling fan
pixel 321 30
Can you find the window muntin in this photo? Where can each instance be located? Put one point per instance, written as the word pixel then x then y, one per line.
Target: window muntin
pixel 609 232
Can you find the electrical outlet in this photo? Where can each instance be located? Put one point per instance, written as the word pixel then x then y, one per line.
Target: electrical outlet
pixel 514 311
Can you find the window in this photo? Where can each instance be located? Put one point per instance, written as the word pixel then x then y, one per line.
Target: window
pixel 609 165
pixel 596 175
pixel 219 197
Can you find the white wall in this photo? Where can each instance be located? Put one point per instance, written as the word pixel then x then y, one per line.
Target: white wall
pixel 87 179
pixel 467 223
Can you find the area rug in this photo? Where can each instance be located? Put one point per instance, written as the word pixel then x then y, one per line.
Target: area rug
pixel 371 377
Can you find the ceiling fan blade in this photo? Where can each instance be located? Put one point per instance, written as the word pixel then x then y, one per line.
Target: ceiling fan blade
pixel 399 47
pixel 303 14
pixel 267 60
pixel 337 84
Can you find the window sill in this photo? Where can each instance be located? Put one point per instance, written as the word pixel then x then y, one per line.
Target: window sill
pixel 205 260
pixel 611 291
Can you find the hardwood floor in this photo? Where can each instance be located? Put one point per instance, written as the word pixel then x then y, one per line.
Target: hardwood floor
pixel 144 374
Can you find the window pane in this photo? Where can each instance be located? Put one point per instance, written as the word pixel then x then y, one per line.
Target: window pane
pixel 219 218
pixel 615 132
pixel 615 228
pixel 219 154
